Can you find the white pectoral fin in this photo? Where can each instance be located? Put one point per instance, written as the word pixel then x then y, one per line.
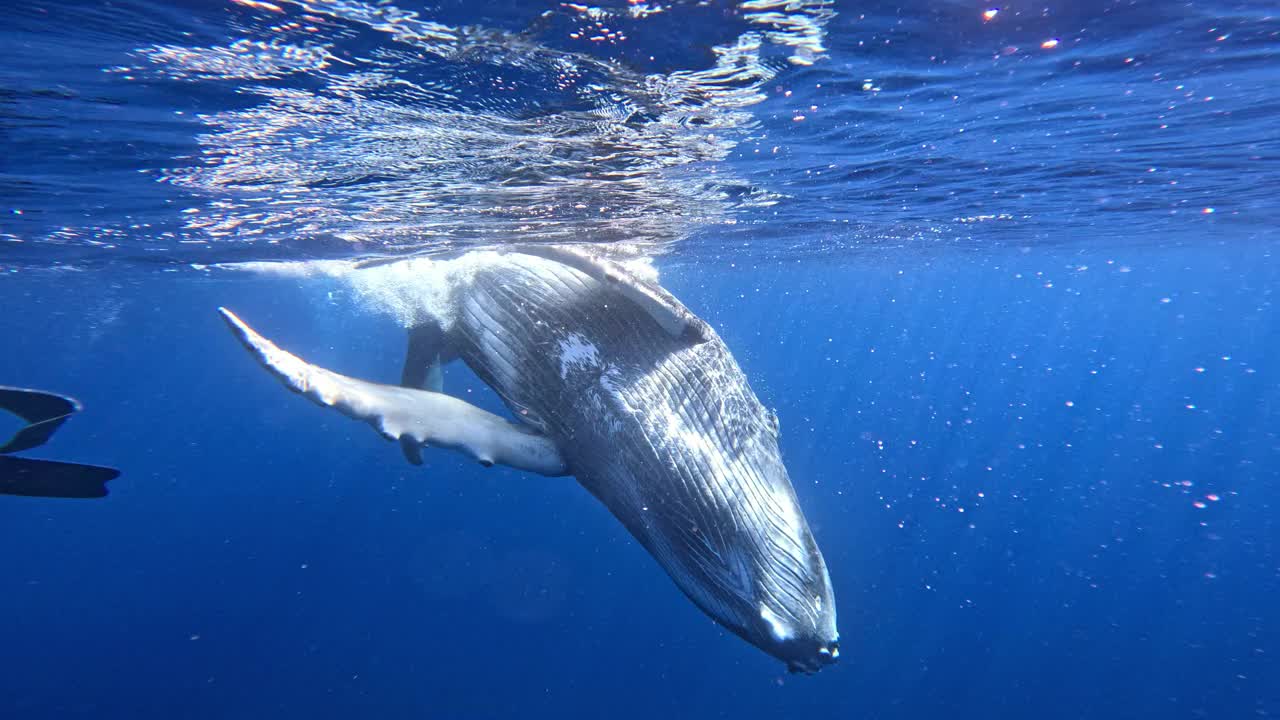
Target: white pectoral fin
pixel 407 415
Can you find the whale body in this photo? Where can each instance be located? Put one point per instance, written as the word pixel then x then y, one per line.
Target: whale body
pixel 614 381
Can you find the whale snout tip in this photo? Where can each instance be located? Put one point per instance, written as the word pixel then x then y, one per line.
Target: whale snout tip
pixel 806 646
pixel 813 658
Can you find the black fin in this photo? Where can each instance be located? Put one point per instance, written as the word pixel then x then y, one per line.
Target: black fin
pixel 44 412
pixel 47 478
pixel 422 371
pixel 427 351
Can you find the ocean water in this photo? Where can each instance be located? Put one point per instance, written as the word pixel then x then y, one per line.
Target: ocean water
pixel 1006 272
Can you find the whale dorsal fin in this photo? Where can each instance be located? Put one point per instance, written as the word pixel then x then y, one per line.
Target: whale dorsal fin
pixel 407 415
pixel 671 314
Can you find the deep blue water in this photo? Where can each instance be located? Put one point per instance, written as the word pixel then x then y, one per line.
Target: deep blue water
pixel 1012 301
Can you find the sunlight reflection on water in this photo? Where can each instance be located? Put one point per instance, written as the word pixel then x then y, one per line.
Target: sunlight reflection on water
pixel 384 129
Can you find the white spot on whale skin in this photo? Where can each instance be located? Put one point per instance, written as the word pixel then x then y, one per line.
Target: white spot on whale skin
pixel 780 631
pixel 576 350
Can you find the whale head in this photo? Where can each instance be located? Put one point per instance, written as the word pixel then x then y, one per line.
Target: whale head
pixel 730 532
pixel 787 608
pixel 653 415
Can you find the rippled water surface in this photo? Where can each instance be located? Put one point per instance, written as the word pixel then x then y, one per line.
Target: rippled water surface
pixel 208 132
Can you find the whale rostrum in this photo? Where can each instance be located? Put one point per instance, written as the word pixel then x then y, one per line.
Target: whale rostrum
pixel 613 380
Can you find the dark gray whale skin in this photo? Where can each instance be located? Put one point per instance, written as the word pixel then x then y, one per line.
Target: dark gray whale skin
pixel 666 432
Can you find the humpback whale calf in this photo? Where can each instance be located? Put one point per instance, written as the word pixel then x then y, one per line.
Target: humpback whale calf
pixel 614 381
